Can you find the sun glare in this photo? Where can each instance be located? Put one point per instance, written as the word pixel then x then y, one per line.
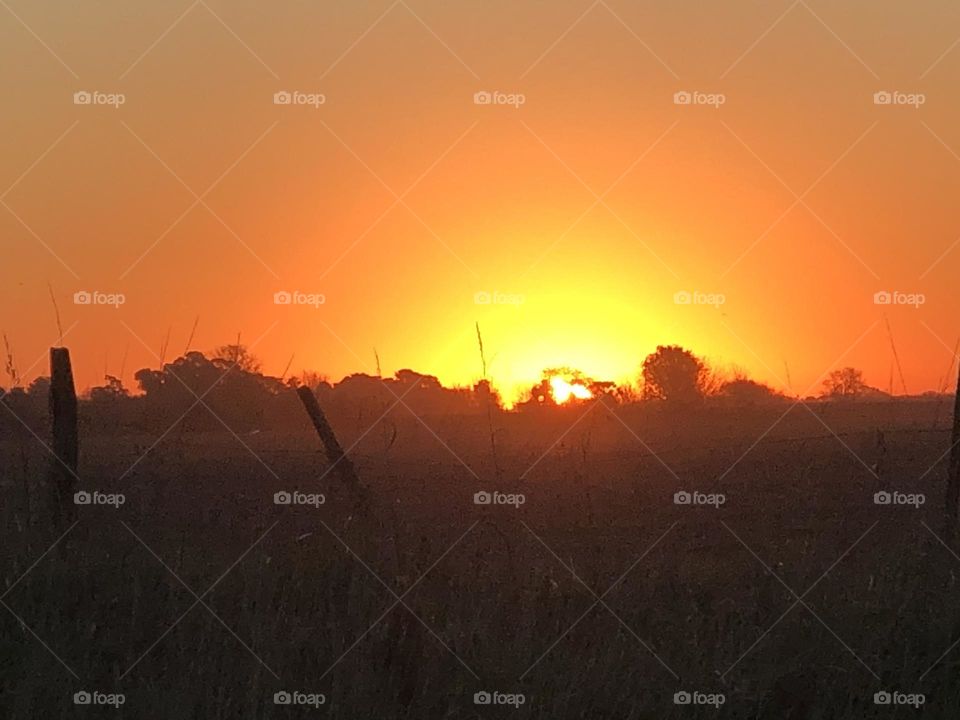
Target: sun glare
pixel 562 390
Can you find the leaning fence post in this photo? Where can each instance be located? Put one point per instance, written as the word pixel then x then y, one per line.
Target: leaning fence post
pixel 338 459
pixel 66 445
pixel 953 476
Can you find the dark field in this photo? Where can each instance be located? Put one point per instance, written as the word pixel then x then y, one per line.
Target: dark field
pixel 598 597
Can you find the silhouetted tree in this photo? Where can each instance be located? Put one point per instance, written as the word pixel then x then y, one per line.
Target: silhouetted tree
pixel 30 404
pixel 310 379
pixel 486 395
pixel 106 401
pixel 225 390
pixel 744 391
pixel 424 393
pixel 674 374
pixel 112 391
pixel 412 377
pixel 238 355
pixel 40 389
pixel 538 395
pixel 844 383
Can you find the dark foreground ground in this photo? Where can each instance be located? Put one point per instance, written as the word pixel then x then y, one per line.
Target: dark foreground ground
pixel 598 597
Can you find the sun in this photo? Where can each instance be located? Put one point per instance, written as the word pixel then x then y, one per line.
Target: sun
pixel 562 390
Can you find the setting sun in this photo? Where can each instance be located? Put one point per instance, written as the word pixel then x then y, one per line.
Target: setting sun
pixel 562 390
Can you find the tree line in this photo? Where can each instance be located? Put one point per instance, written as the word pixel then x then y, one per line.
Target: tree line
pixel 228 383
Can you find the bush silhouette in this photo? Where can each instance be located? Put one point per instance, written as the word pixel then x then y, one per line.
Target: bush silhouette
pixel 674 375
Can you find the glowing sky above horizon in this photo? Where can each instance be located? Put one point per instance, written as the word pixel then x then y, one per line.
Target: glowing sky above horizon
pixel 581 224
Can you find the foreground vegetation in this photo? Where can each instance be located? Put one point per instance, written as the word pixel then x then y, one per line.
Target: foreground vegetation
pixel 200 597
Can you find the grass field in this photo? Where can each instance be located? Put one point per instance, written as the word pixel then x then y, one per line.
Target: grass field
pixel 597 597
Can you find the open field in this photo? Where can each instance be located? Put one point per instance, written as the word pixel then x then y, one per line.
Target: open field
pixel 598 597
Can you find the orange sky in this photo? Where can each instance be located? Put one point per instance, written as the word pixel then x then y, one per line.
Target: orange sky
pixel 582 212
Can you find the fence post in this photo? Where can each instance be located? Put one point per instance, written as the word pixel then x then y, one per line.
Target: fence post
pixel 338 459
pixel 953 477
pixel 66 445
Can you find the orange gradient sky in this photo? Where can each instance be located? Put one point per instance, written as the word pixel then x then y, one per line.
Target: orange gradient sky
pixel 585 209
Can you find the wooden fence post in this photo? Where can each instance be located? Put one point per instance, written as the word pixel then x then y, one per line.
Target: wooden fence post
pixel 335 454
pixel 953 477
pixel 66 445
